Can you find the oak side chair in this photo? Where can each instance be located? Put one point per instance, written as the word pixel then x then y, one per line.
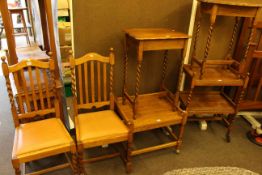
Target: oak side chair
pixel 39 131
pixel 90 91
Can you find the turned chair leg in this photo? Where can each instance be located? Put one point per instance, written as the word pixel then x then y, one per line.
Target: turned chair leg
pixel 81 168
pixel 179 142
pixel 181 133
pixel 231 119
pixel 17 169
pixel 128 158
pixel 74 164
pixel 16 166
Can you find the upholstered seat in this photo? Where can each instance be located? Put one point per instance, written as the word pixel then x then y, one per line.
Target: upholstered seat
pixel 103 127
pixel 41 136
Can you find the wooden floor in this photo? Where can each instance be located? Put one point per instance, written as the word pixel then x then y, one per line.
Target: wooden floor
pixel 153 112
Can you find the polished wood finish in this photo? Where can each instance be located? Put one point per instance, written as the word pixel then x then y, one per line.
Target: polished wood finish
pixel 253 99
pixel 92 89
pixel 33 52
pixel 20 11
pixel 218 72
pixel 238 9
pixel 8 31
pixel 44 24
pixel 214 76
pixel 154 33
pixel 14 55
pixel 158 112
pixel 39 131
pixel 244 3
pixel 155 110
pixel 211 102
pixel 47 24
pixel 150 39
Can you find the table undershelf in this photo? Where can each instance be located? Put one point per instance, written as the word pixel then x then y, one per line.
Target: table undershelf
pixel 207 102
pixel 213 76
pixel 153 111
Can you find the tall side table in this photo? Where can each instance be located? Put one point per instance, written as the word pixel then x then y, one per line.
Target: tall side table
pixel 156 39
pixel 150 111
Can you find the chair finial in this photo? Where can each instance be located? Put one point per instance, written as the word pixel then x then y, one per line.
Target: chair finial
pixel 3 58
pixel 112 56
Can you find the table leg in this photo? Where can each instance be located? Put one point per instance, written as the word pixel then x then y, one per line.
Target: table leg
pixel 208 43
pixel 125 69
pixel 164 70
pixel 138 76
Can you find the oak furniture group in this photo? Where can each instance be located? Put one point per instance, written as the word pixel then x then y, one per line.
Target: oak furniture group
pixel 100 118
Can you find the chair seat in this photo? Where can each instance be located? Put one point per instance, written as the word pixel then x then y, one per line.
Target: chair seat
pixel 99 128
pixel 46 136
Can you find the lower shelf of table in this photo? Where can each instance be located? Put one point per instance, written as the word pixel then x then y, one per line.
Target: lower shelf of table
pixel 250 105
pixel 153 111
pixel 213 76
pixel 207 102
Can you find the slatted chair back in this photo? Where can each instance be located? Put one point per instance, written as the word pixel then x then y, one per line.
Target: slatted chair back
pixel 254 63
pixel 36 94
pixel 90 81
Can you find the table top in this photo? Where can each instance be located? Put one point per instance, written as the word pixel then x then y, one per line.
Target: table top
pixel 245 3
pixel 155 33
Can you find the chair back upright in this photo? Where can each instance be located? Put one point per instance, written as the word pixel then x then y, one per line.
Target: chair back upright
pixel 33 91
pixel 90 81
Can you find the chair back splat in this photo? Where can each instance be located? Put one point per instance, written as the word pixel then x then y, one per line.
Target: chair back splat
pixel 33 93
pixel 90 81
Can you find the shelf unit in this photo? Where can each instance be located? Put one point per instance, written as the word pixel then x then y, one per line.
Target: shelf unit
pixel 208 72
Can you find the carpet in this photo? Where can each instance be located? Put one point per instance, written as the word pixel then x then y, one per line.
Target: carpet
pixel 211 171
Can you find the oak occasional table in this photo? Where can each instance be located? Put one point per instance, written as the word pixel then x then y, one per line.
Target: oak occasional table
pixel 159 109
